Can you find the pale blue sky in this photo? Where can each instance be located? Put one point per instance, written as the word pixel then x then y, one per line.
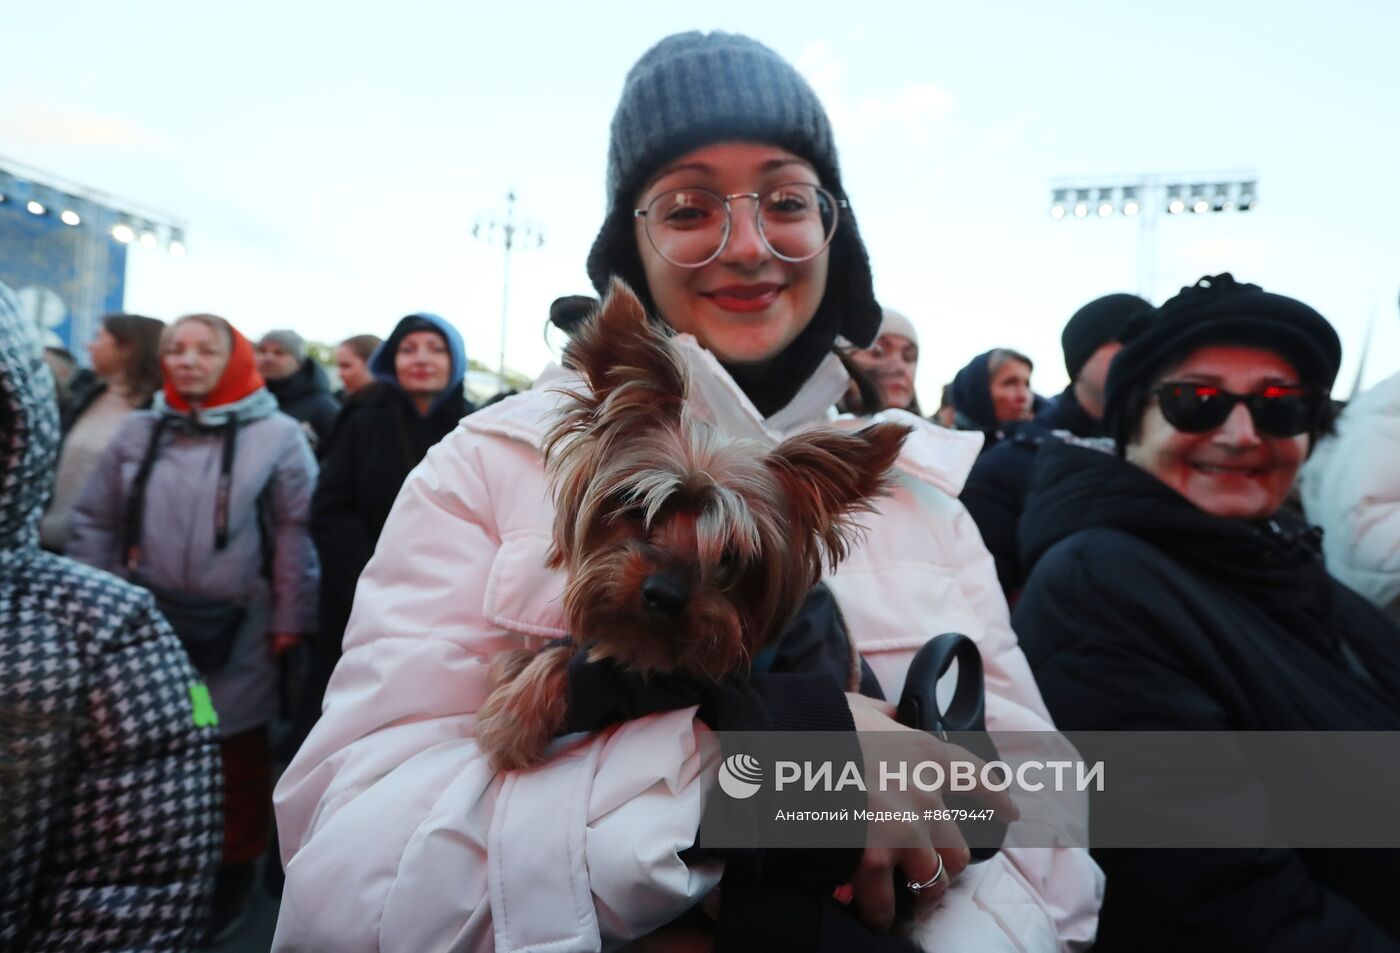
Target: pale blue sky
pixel 330 157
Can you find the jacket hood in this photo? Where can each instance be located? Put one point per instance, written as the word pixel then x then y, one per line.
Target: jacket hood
pixel 255 406
pixel 306 380
pixel 29 434
pixel 240 378
pixel 972 395
pixel 381 362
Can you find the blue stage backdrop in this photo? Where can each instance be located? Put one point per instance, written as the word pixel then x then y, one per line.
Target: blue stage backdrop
pixel 66 276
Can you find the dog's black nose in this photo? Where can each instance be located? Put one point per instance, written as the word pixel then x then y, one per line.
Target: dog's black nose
pixel 665 594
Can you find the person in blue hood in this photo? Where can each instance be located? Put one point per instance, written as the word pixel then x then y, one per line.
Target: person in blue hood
pixel 381 435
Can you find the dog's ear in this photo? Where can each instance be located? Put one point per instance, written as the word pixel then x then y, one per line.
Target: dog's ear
pixel 635 382
pixel 625 355
pixel 830 476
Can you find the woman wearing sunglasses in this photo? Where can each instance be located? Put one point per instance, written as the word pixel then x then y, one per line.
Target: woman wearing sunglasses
pixel 1171 592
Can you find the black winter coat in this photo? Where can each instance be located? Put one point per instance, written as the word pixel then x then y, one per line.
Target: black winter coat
pixel 995 493
pixel 1141 612
pixel 378 438
pixel 1064 412
pixel 306 397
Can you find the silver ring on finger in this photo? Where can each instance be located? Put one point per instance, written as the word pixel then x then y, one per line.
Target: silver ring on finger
pixel 916 888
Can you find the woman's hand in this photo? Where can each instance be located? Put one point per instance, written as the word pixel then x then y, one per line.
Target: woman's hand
pixel 875 879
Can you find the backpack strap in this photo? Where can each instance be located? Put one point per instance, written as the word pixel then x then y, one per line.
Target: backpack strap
pixel 136 507
pixel 225 487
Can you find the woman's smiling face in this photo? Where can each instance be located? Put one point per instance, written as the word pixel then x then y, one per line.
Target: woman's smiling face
pixel 1233 471
pixel 747 305
pixel 891 361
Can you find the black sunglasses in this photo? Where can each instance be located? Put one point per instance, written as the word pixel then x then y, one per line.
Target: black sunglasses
pixel 1279 411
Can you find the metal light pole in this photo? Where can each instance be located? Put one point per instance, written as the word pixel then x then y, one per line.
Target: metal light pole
pixel 508 233
pixel 1146 197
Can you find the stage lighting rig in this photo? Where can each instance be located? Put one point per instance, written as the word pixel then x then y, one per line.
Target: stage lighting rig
pixel 1145 197
pixel 78 207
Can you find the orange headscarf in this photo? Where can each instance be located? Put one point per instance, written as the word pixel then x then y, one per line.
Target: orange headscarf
pixel 240 378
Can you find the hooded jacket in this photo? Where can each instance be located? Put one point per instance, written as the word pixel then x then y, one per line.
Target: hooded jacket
pixel 305 396
pixel 973 405
pixel 381 362
pixel 972 396
pixel 1142 612
pixel 389 790
pixel 110 822
pixel 267 563
pixel 378 440
pixel 1351 488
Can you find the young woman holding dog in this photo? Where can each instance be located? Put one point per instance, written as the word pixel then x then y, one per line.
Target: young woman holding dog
pixel 728 217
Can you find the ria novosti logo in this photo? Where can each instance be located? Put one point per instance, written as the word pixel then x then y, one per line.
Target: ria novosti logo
pixel 740 776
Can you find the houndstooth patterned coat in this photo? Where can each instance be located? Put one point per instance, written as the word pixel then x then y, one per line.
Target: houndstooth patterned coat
pixel 110 814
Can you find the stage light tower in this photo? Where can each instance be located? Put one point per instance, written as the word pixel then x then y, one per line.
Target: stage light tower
pixel 510 234
pixel 1145 197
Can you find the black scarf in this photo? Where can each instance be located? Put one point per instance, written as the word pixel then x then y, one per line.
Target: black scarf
pixel 1274 563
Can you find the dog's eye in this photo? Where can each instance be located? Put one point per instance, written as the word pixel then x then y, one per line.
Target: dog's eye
pixel 635 514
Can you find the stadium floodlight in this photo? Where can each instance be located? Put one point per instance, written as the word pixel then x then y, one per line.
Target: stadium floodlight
pixel 176 245
pixel 1175 206
pixel 1199 203
pixel 1148 198
pixel 1081 203
pixel 1105 206
pixel 70 217
pixel 123 233
pixel 36 207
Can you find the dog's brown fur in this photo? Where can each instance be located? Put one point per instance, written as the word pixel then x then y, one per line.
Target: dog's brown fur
pixel 645 492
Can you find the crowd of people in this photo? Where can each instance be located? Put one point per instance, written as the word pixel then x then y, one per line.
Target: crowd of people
pixel 225 569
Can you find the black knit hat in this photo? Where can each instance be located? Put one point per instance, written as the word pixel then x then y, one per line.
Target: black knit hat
pixel 694 89
pixel 1094 325
pixel 1219 310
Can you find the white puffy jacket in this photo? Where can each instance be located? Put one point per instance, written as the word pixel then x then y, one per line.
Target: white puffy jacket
pixel 1351 488
pixel 397 834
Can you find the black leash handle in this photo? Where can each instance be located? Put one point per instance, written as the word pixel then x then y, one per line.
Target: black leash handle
pixel 966 714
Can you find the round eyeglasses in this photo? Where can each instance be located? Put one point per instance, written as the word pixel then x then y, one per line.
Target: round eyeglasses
pixel 690 227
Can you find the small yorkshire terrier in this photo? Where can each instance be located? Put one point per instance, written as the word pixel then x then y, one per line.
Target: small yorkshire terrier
pixel 687 552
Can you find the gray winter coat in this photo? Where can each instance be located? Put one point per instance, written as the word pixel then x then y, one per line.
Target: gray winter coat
pixel 271 461
pixel 110 807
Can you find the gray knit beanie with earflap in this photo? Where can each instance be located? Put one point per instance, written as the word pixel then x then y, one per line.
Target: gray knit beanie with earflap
pixel 694 89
